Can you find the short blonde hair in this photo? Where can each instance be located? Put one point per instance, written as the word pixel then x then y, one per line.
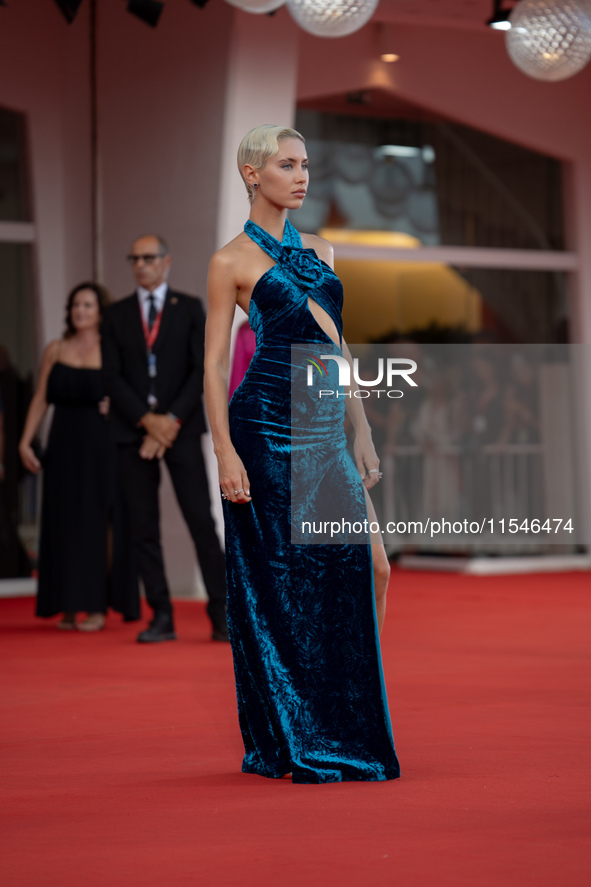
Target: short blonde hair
pixel 259 144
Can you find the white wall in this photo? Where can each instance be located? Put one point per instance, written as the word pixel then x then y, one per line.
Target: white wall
pixel 161 122
pixel 261 88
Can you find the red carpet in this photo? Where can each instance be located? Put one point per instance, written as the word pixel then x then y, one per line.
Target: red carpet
pixel 120 762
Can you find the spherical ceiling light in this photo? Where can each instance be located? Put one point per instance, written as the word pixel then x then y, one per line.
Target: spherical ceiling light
pixel 550 39
pixel 258 7
pixel 331 18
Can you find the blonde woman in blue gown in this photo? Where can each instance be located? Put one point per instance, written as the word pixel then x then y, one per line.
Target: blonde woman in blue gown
pixel 304 619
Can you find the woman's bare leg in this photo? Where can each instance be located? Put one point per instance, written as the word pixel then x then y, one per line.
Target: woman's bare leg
pixel 381 566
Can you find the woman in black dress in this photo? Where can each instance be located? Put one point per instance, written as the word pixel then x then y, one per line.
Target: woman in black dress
pixel 85 560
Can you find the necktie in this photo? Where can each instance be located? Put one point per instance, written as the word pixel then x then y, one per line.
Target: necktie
pixel 151 311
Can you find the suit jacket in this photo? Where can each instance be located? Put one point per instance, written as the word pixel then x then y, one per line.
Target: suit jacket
pixel 179 350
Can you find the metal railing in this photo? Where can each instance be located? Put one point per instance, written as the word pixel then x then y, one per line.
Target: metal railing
pixel 488 487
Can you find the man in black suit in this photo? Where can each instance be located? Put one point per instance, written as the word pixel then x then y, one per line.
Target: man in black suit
pixel 152 344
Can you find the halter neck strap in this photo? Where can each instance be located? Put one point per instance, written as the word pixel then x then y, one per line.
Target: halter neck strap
pixel 270 244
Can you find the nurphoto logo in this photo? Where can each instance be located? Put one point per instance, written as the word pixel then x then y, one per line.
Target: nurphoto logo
pixel 387 370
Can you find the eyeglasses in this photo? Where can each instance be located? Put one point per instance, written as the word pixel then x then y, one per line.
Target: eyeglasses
pixel 148 258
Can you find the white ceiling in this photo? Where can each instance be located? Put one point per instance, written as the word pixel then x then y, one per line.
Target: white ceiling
pixel 450 13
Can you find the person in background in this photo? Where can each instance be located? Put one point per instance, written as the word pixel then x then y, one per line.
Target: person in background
pixel 85 559
pixel 153 370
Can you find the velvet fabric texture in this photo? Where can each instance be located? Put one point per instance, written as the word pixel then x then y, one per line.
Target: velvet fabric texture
pixel 302 621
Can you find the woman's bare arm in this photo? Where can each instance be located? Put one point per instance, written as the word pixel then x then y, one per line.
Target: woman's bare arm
pixel 221 293
pixel 37 409
pixel 366 457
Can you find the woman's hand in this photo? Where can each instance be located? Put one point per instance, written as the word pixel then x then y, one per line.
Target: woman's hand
pixel 233 478
pixel 366 459
pixel 29 459
pixel 104 406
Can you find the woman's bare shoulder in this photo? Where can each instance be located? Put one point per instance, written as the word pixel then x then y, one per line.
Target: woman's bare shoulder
pixel 52 350
pixel 321 247
pixel 232 252
pixel 50 356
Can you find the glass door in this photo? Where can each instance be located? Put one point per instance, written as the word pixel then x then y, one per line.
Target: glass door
pixel 19 490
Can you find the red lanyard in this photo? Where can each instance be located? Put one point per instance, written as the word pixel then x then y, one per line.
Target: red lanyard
pixel 150 335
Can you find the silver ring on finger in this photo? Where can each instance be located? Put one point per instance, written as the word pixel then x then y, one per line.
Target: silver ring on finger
pixel 239 491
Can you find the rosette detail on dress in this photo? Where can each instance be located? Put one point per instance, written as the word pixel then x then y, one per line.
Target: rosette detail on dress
pixel 300 265
pixel 303 265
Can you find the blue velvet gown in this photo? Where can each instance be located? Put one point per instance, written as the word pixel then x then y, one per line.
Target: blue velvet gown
pixel 302 620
